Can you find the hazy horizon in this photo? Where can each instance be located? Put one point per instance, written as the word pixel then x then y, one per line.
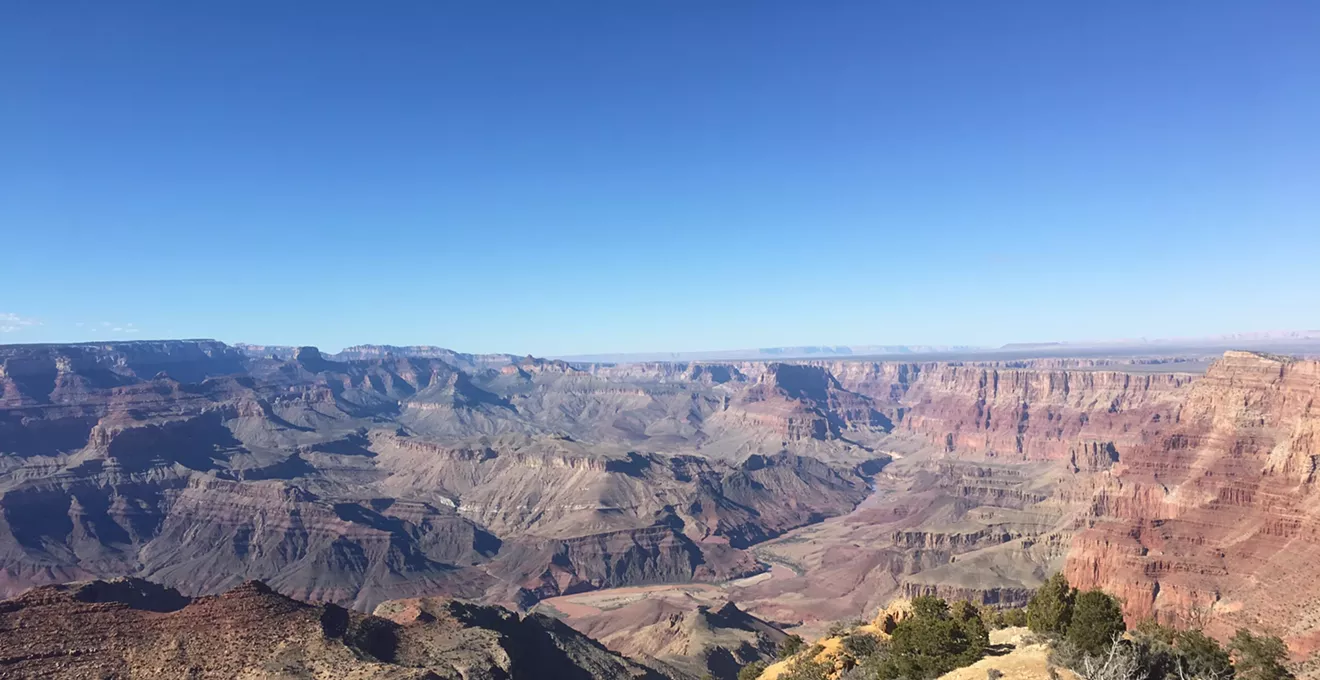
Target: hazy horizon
pixel 1247 339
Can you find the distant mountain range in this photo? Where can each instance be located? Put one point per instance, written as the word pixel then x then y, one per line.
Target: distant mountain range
pixel 1291 341
pixel 1295 342
pixel 801 352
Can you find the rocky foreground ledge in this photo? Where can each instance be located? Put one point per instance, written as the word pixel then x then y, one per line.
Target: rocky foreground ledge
pixel 135 628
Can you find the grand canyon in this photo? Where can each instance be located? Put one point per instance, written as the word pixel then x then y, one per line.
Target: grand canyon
pixel 682 513
pixel 513 340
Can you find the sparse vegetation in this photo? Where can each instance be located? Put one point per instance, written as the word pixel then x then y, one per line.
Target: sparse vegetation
pixel 1050 610
pixel 1259 657
pixel 1013 617
pixel 1095 622
pixel 933 641
pixel 808 668
pixel 1201 656
pixel 1086 629
pixel 995 619
pixel 840 627
pixel 1094 644
pixel 752 671
pixel 790 646
pixel 860 646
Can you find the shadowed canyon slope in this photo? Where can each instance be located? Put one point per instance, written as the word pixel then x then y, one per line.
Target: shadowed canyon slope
pixel 364 480
pixel 805 492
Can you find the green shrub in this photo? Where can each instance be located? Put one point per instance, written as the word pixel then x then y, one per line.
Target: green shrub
pixel 933 641
pixel 1096 621
pixel 1201 656
pixel 790 645
pixel 1152 630
pixel 859 646
pixel 969 619
pixel 977 636
pixel 808 669
pixel 752 671
pixel 1050 610
pixel 838 628
pixel 1153 645
pixel 1259 657
pixel 1151 651
pixel 929 607
pixel 1121 661
pixel 1013 617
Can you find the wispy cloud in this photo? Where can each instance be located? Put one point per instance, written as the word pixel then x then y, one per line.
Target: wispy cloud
pixel 111 326
pixel 12 322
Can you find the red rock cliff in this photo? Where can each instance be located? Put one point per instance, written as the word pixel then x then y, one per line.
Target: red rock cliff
pixel 1219 516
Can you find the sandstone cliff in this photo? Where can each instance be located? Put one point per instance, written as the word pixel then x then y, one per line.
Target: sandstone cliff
pixel 1217 518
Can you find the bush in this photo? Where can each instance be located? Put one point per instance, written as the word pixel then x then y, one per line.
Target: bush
pixel 968 617
pixel 1096 621
pixel 808 669
pixel 840 627
pixel 790 645
pixel 1157 652
pixel 1259 657
pixel 752 671
pixel 1050 610
pixel 1013 617
pixel 932 641
pixel 1151 630
pixel 859 646
pixel 1121 661
pixel 929 607
pixel 1200 656
pixel 963 610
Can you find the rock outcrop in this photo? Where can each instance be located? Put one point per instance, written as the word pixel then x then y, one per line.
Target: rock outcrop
pixel 134 628
pixel 698 640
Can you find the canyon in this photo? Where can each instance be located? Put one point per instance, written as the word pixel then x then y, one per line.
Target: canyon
pixel 804 492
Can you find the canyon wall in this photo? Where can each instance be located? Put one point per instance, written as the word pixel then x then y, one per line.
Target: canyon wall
pixel 377 474
pixel 355 481
pixel 1019 412
pixel 1217 518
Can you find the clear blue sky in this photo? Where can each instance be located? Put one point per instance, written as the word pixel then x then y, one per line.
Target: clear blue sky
pixel 564 177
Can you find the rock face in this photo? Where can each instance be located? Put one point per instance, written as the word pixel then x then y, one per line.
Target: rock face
pixel 359 480
pixel 973 529
pixel 698 641
pixel 134 628
pixel 1024 411
pixel 1216 517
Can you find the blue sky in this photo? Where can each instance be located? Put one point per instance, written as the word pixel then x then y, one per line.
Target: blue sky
pixel 574 177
